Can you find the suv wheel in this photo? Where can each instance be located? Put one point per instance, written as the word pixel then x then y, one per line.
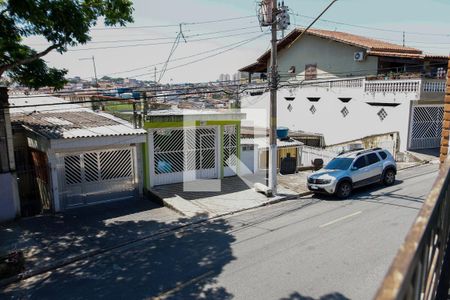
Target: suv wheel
pixel 344 189
pixel 389 177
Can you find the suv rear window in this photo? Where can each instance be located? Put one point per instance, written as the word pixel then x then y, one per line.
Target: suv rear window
pixel 360 162
pixel 373 158
pixel 382 154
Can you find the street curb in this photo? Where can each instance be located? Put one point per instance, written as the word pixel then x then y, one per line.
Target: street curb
pixel 73 259
pixel 414 166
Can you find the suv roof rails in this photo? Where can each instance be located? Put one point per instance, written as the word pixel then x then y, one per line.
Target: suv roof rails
pixel 368 150
pixel 348 151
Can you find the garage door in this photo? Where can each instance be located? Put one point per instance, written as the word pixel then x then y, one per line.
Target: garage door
pixel 98 176
pixel 183 154
pixel 426 126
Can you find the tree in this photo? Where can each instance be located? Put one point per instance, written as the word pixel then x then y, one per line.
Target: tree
pixel 63 23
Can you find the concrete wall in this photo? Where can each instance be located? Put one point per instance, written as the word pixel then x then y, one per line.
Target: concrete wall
pixel 388 141
pixel 9 200
pixel 362 119
pixel 332 58
pixel 249 159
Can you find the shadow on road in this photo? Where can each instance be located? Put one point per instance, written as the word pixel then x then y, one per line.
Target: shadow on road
pixel 367 194
pixel 333 296
pixel 180 264
pixel 358 192
pixel 228 185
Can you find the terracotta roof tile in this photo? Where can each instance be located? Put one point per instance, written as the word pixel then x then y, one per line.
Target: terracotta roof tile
pixel 373 46
pixel 361 41
pixel 395 54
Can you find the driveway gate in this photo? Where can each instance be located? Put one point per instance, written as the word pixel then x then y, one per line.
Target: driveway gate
pixel 181 154
pixel 426 126
pixel 98 176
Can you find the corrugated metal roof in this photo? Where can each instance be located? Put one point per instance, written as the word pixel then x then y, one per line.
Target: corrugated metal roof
pixel 41 103
pixel 67 121
pixel 263 142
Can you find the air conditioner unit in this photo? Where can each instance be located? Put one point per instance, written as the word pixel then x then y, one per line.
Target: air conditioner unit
pixel 359 56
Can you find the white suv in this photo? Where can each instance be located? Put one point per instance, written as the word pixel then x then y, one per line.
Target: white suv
pixel 354 169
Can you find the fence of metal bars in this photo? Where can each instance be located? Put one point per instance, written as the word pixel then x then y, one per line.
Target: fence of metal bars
pixel 418 269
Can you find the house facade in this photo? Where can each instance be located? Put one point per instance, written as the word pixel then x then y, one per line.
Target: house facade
pixel 322 89
pixel 75 156
pixel 323 54
pixel 187 145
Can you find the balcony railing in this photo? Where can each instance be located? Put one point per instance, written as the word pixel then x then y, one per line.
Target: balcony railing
pixel 423 88
pixel 418 269
pixel 434 86
pixel 392 86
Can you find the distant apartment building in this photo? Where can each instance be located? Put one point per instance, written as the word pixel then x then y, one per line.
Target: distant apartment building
pixel 224 77
pixel 237 76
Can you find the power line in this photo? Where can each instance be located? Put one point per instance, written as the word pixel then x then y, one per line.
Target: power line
pixel 371 28
pixel 165 43
pixel 196 89
pixel 326 78
pixel 176 59
pixel 72 93
pixel 399 41
pixel 348 73
pixel 175 25
pixel 163 38
pixel 172 51
pixel 208 84
pixel 204 58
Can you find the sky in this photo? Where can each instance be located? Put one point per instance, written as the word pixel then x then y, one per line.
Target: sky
pixel 232 44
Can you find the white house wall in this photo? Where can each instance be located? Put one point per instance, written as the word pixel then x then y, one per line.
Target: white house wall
pixel 330 56
pixel 362 119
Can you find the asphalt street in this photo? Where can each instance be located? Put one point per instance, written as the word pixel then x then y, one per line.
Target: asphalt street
pixel 310 248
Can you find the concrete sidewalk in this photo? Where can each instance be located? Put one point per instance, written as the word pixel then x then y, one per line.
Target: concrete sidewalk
pixel 48 239
pixel 233 194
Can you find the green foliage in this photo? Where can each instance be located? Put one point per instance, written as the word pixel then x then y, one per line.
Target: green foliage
pixel 119 107
pixel 63 23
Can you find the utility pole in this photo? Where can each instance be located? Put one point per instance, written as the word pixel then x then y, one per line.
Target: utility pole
pixel 95 69
pixel 403 39
pixel 7 163
pixel 446 122
pixel 9 200
pixel 135 115
pixel 144 109
pixel 273 104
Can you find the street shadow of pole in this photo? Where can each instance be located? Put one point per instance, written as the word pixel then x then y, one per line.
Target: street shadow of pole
pixel 180 264
pixel 332 296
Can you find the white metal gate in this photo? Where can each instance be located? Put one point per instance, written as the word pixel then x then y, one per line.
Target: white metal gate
pixel 183 154
pixel 97 176
pixel 426 126
pixel 230 148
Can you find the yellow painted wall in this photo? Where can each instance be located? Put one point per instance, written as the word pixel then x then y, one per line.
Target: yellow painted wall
pixel 282 153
